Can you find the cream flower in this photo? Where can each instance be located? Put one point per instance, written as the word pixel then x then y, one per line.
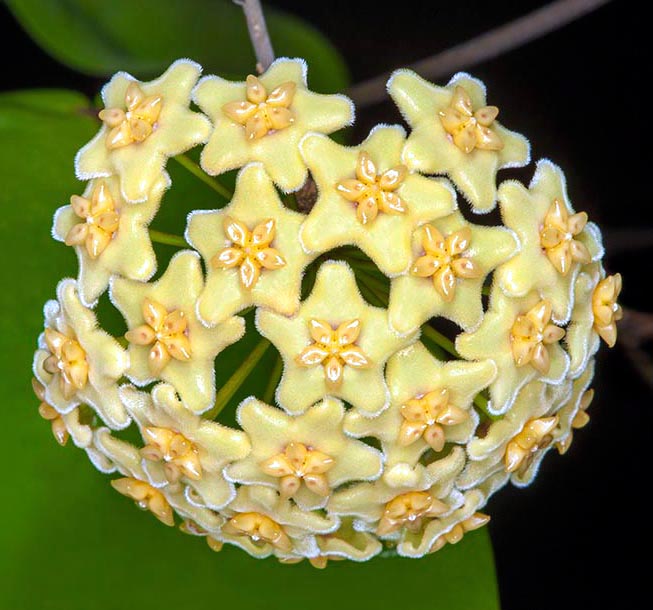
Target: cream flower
pixel 74 424
pixel 455 133
pixel 262 523
pixel 515 444
pixel 264 118
pixel 458 531
pixel 166 340
pixel 431 404
pixel 573 414
pixel 183 449
pixel 349 343
pixel 449 528
pixel 367 198
pixel 251 249
pixel 451 258
pixel 305 457
pixel 398 512
pixel 555 241
pixel 345 543
pixel 161 502
pixel 519 336
pixel 77 362
pixel 109 236
pixel 143 125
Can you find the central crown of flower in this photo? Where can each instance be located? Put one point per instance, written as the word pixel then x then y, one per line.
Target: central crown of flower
pixel 470 128
pixel 68 359
pixel 146 497
pixel 299 463
pixel 373 192
pixel 179 455
pixel 530 335
pixel 557 237
pixel 165 331
pixel 443 260
pixel 424 417
pixel 249 250
pixel 535 435
pixel 334 348
pixel 136 123
pixel 262 113
pixel 409 510
pixel 607 312
pixel 259 528
pixel 101 221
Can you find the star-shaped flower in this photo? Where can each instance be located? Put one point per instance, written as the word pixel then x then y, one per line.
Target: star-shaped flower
pixel 109 236
pixel 573 415
pixel 369 199
pixel 451 258
pixel 402 511
pixel 166 339
pixel 183 450
pixel 446 529
pixel 264 118
pixel 143 125
pixel 555 242
pixel 161 502
pixel 352 367
pixel 306 457
pixel 251 250
pixel 431 404
pixel 77 363
pixel 519 336
pixel 454 132
pixel 262 523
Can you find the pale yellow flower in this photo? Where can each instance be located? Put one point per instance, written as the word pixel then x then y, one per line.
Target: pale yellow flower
pixel 110 236
pixel 77 362
pixel 518 336
pixel 448 528
pixel 573 414
pixel 451 259
pixel 555 242
pixel 336 345
pixel 143 125
pixel 264 118
pixel 166 339
pixel 262 523
pixel 431 404
pixel 72 425
pixel 251 249
pixel 183 450
pixel 367 198
pixel 305 457
pixel 161 502
pixel 479 146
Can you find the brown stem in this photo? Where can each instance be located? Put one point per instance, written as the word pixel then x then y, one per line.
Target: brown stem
pixel 258 33
pixel 635 330
pixel 486 46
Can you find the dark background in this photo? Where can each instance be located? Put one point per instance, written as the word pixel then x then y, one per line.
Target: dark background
pixel 580 535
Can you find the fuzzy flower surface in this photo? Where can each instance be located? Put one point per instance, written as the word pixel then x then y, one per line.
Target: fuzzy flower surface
pixel 368 198
pixel 166 339
pixel 142 125
pixel 455 133
pixel 264 118
pixel 336 345
pixel 252 252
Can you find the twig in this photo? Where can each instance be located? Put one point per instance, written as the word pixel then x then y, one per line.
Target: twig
pixel 258 33
pixel 168 239
pixel 635 330
pixel 198 172
pixel 486 46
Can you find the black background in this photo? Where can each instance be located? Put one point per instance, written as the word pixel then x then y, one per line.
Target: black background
pixel 580 535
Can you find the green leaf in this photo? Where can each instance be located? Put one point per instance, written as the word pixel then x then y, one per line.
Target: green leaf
pixel 99 37
pixel 68 540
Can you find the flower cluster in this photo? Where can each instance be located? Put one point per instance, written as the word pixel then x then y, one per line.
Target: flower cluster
pixel 385 432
